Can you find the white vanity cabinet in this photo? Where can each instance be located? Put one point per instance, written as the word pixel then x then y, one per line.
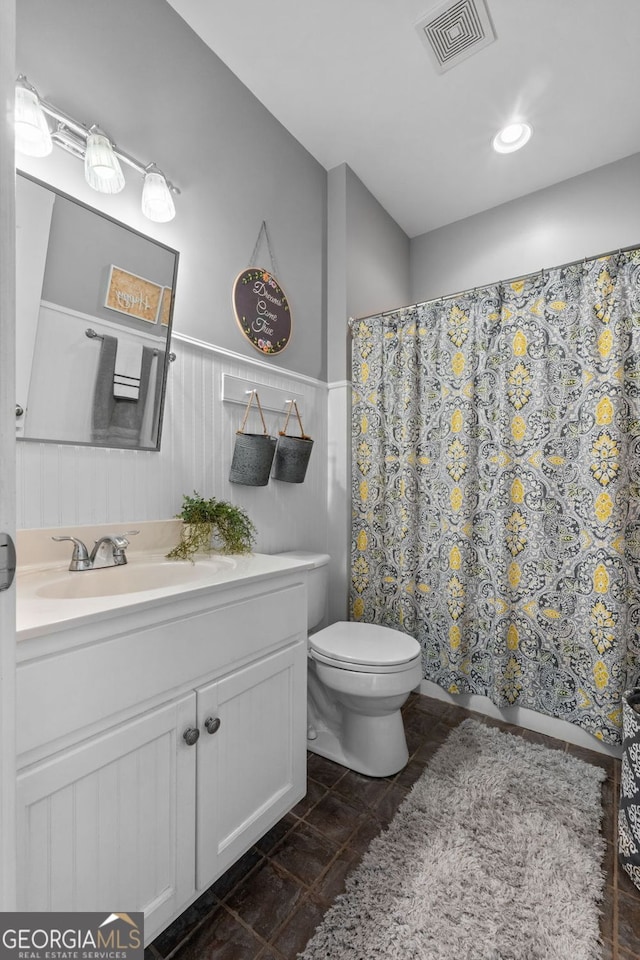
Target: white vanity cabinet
pixel 155 747
pixel 112 820
pixel 249 766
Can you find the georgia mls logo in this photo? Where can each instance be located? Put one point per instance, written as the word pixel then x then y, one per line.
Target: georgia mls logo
pixel 71 936
pixel 119 916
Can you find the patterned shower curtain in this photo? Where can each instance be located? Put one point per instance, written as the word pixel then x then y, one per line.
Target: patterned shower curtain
pixel 496 487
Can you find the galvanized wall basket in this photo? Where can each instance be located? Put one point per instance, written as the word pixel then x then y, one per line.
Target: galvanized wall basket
pixel 292 453
pixel 253 452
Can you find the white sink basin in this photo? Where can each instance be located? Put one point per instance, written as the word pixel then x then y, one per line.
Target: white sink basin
pixel 131 578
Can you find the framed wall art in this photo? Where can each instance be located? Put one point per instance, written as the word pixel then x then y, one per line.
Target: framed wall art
pixel 133 295
pixel 165 306
pixel 262 310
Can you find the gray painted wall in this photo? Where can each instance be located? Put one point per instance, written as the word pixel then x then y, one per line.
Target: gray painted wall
pixel 368 262
pixel 581 217
pixel 368 271
pixel 140 72
pixel 337 263
pixel 377 251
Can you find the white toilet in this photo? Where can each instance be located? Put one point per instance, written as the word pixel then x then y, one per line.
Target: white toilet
pixel 360 675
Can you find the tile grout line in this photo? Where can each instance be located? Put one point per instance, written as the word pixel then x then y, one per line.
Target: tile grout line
pixel 272 951
pixel 276 930
pixel 306 888
pixel 243 923
pixel 188 936
pixel 219 902
pixel 310 890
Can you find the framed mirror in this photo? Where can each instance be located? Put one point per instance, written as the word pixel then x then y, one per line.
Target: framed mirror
pixel 94 307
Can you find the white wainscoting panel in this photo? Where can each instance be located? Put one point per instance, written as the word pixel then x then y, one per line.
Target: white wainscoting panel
pixel 339 498
pixel 60 485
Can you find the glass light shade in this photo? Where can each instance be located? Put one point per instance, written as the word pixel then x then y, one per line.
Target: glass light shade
pixel 31 129
pixel 157 202
pixel 101 166
pixel 512 137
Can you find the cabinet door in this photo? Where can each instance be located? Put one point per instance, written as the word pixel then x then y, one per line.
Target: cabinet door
pixel 109 824
pixel 252 769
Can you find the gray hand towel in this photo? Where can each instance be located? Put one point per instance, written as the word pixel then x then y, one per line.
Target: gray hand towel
pixel 117 421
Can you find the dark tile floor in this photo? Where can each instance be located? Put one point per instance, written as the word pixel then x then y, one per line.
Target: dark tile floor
pixel 268 905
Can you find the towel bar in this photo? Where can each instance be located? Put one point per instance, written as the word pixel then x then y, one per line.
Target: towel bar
pixel 92 335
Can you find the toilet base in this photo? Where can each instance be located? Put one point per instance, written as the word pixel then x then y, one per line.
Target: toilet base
pixel 374 746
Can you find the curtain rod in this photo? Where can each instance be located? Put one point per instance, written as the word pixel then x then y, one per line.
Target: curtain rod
pixel 496 283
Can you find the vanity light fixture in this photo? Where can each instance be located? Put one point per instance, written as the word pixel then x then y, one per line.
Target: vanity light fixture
pixel 512 137
pixel 90 144
pixel 157 202
pixel 32 130
pixel 102 170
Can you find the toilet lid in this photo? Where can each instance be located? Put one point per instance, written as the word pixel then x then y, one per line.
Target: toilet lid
pixel 364 643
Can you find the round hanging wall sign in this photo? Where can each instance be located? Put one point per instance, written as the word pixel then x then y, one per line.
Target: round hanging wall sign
pixel 262 310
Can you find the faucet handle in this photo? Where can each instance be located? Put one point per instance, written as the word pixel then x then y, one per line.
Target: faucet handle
pixel 120 539
pixel 80 556
pixel 79 550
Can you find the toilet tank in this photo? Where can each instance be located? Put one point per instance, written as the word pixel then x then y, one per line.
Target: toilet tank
pixel 317 584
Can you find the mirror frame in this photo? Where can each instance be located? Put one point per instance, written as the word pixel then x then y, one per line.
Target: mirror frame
pixel 169 326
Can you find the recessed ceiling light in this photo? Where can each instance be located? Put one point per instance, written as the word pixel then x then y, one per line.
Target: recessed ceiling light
pixel 512 137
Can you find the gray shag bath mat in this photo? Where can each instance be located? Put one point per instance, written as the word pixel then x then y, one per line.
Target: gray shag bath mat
pixel 495 854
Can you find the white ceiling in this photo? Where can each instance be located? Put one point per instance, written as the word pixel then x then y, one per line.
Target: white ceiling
pixel 352 81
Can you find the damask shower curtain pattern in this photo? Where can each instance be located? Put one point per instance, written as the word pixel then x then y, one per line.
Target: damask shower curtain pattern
pixel 496 487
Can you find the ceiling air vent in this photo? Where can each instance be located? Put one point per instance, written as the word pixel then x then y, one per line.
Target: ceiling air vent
pixel 453 32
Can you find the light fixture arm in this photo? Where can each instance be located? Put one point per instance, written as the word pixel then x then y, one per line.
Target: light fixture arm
pixel 83 131
pixel 92 146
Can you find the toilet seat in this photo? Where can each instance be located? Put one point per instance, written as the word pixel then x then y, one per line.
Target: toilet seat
pixel 364 647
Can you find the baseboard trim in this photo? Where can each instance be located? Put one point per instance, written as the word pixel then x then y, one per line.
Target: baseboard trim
pixel 522 717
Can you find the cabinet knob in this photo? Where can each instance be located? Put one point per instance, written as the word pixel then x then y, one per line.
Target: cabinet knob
pixel 191 735
pixel 212 724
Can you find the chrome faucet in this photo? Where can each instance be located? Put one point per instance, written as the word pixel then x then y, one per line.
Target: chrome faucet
pixel 108 551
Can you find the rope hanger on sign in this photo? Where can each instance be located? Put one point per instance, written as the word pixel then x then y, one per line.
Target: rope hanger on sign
pixel 253 261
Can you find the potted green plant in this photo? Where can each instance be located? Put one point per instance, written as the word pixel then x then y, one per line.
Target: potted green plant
pixel 206 522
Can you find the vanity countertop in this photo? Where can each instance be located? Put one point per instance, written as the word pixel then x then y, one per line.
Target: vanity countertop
pixel 38 614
